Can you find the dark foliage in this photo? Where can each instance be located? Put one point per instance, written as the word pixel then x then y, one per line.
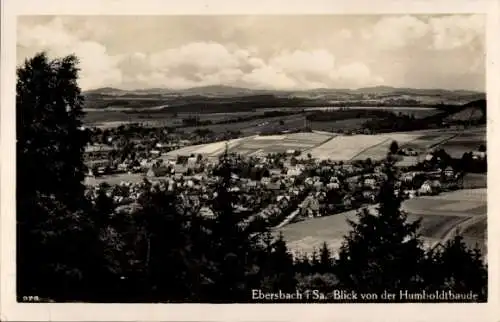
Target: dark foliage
pixel 163 249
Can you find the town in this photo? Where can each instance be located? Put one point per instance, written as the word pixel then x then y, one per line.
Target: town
pixel 276 183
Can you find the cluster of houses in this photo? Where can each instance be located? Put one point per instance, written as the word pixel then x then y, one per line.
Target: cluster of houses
pixel 290 188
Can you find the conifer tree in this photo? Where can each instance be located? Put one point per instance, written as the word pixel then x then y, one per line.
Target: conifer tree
pixel 166 255
pixel 459 269
pixel 55 238
pixel 383 251
pixel 280 274
pixel 325 259
pixel 231 250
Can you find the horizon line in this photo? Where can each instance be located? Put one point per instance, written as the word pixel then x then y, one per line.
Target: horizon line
pixel 286 90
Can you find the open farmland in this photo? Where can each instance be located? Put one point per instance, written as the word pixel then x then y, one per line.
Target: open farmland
pixel 254 126
pixel 458 203
pixel 475 180
pixel 334 126
pixel 281 143
pixel 305 236
pixel 345 147
pixel 379 151
pixel 257 144
pixel 108 118
pixel 325 145
pixel 206 150
pixel 428 141
pixel 360 146
pixel 114 179
pixel 467 114
pixel 463 143
pixel 470 205
pixel 439 219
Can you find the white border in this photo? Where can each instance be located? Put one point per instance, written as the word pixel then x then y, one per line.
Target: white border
pixel 12 311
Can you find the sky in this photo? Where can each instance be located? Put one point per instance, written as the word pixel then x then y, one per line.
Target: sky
pixel 264 52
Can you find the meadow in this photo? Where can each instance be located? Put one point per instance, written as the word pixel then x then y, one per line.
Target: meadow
pixel 437 225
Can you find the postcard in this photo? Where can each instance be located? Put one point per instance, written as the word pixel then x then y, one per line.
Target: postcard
pixel 267 161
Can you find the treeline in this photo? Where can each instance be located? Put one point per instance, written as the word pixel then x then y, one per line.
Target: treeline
pixel 224 105
pixel 71 248
pixel 195 121
pixel 344 114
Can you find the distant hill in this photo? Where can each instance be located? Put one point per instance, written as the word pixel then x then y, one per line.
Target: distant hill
pixel 472 111
pixel 223 90
pixel 230 96
pixel 106 91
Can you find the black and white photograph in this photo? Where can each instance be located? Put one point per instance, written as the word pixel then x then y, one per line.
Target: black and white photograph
pixel 251 158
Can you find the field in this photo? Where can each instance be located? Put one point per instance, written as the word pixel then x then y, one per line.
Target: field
pixel 112 118
pixel 206 150
pixel 470 205
pixel 254 126
pixel 466 202
pixel 114 179
pixel 466 115
pixel 334 126
pixel 161 116
pixel 475 180
pixel 326 145
pixel 463 143
pixel 417 112
pixel 308 235
pixel 379 151
pixel 257 144
pixel 360 146
pixel 345 147
pixel 439 221
pixel 429 141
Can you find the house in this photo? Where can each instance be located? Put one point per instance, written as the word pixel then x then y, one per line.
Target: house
pixel 155 153
pixel 370 183
pixel 369 195
pixel 435 184
pixel 122 167
pixel 477 155
pixel 449 172
pixel 251 184
pixel 410 193
pixel 408 177
pixel 310 206
pixel 179 168
pixel 429 157
pixel 207 212
pixel 318 185
pixel 333 185
pixel 409 152
pixel 347 201
pixel 191 161
pixel 282 198
pixel 334 180
pixel 274 172
pixel 97 151
pixel 293 172
pixel 426 188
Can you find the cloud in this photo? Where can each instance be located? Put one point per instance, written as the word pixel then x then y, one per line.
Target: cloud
pixel 267 76
pixel 453 32
pixel 192 64
pixel 98 68
pixel 315 62
pixel 391 50
pixel 435 33
pixel 396 32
